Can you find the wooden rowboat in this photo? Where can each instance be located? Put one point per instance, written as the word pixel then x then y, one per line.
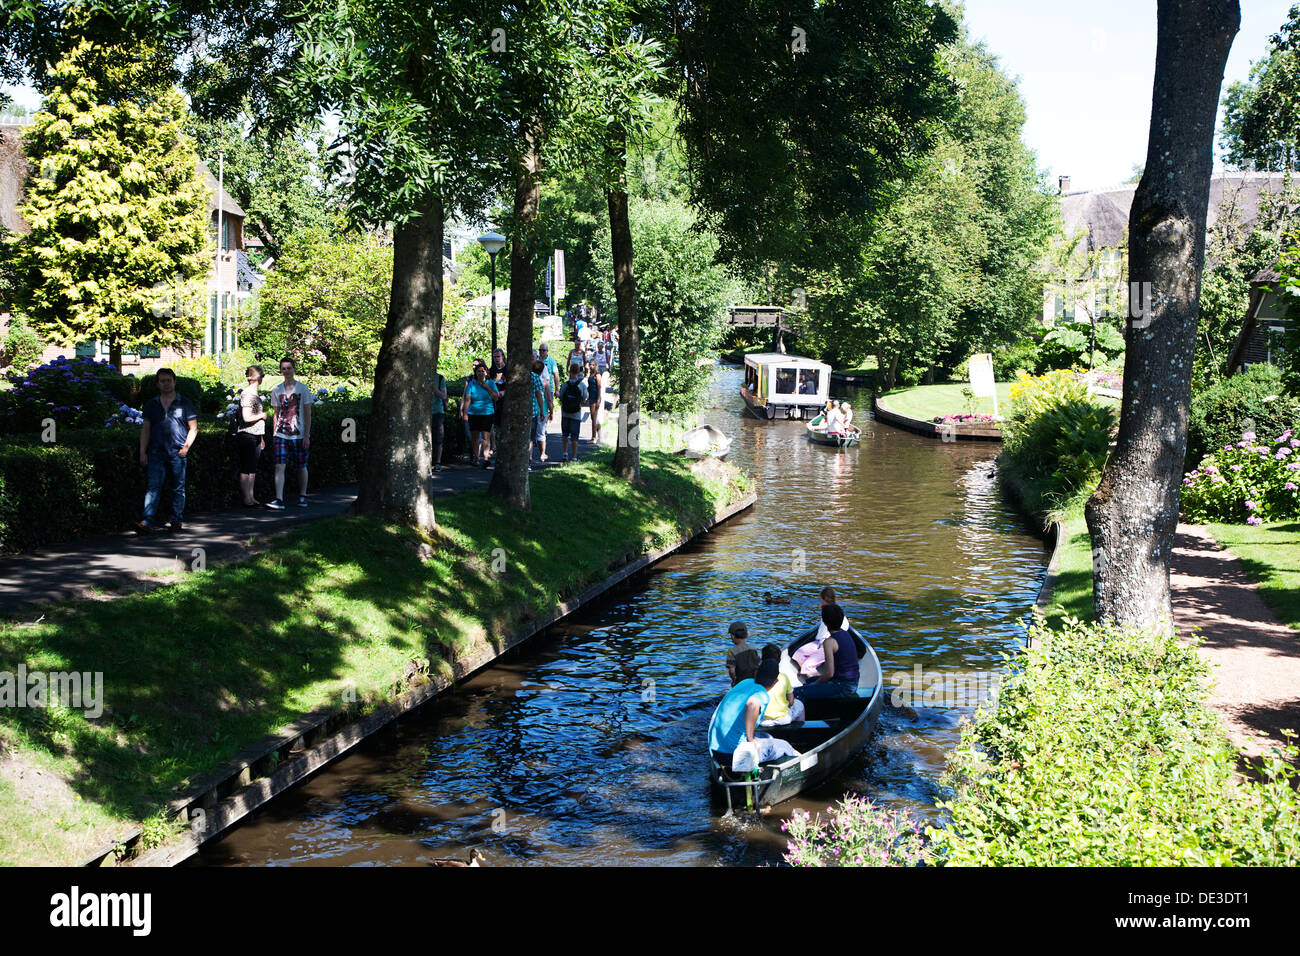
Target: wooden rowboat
pixel 819 437
pixel 832 732
pixel 706 442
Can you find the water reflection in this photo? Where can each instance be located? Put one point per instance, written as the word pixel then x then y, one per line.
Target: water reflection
pixel 589 748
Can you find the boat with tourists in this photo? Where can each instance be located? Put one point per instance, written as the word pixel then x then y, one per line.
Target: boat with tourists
pixel 788 385
pixel 832 732
pixel 818 435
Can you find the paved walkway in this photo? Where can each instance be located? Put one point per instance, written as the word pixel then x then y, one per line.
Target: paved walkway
pixel 86 568
pixel 1256 657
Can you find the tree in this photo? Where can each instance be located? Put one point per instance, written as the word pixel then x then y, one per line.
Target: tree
pixel 277 179
pixel 1133 514
pixel 118 215
pixel 682 293
pixel 1261 117
pixel 329 294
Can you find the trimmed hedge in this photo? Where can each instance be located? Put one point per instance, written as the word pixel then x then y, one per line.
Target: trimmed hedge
pixel 91 482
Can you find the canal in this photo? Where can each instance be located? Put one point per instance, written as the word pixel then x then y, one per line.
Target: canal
pixel 588 748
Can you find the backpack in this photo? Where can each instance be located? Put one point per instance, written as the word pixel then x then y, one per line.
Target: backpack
pixel 571 398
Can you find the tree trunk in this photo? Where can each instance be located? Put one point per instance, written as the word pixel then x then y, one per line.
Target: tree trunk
pixel 510 478
pixel 627 456
pixel 399 453
pixel 1133 514
pixel 115 354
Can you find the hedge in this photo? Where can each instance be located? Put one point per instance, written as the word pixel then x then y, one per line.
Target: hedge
pixel 1254 400
pixel 91 482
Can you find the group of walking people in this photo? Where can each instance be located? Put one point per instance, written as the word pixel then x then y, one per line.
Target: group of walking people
pixel 579 392
pixel 171 427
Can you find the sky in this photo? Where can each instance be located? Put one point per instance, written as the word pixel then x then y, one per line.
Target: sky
pixel 1086 71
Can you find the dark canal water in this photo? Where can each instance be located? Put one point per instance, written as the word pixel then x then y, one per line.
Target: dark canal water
pixel 561 755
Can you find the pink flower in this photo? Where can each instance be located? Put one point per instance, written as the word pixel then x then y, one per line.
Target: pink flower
pixel 1290 486
pixel 1253 520
pixel 1235 467
pixel 1250 505
pixel 1248 436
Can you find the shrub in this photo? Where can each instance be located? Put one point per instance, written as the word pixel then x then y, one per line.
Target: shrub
pixel 1253 401
pixel 857 833
pixel 1251 481
pixel 75 393
pixel 190 388
pixel 1056 435
pixel 91 482
pixel 1100 751
pixel 21 347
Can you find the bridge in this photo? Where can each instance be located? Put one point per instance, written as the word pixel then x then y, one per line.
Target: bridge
pixel 772 317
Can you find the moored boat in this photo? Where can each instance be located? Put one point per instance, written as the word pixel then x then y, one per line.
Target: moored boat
pixel 832 732
pixel 705 442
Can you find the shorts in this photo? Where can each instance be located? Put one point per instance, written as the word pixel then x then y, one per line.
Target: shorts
pixel 570 427
pixel 248 449
pixel 480 423
pixel 437 429
pixel 289 451
pixel 539 428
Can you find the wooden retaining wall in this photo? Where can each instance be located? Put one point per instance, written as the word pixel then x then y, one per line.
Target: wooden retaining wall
pixel 949 432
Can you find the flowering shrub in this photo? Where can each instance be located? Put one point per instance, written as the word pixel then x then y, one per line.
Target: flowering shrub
pixel 1252 480
pixel 965 418
pixel 76 393
pixel 125 417
pixel 858 833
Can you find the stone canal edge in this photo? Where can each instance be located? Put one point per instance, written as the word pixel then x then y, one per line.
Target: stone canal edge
pixel 262 771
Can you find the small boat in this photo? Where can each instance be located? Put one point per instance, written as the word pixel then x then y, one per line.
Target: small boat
pixel 706 442
pixel 832 732
pixel 818 436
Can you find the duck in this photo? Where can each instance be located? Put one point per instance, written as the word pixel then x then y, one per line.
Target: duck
pixel 474 860
pixel 769 599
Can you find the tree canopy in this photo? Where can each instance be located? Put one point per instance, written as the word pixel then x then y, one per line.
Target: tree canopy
pixel 1261 117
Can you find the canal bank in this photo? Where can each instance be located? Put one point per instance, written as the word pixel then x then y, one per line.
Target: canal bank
pixel 344 616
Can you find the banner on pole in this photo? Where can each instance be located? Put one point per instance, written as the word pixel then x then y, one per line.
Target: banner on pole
pixel 981 375
pixel 559 274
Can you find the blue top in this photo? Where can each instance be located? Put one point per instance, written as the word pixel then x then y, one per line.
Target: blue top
pixel 552 367
pixel 846 658
pixel 168 429
pixel 593 389
pixel 728 727
pixel 439 405
pixel 538 386
pixel 480 399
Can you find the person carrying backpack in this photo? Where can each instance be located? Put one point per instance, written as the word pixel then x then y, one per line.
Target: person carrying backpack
pixel 573 396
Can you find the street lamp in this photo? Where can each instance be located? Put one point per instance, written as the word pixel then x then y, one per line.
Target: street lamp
pixel 492 243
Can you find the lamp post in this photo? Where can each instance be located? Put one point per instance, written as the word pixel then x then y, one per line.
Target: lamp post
pixel 492 243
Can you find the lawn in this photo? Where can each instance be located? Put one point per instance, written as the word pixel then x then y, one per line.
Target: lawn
pixel 1072 589
pixel 928 401
pixel 194 672
pixel 1271 555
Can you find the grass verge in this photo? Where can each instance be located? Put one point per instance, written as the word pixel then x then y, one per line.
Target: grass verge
pixel 1271 555
pixel 194 672
pixel 927 401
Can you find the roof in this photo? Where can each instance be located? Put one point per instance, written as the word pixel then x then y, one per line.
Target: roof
pixel 1104 213
pixel 246 273
pixel 778 358
pixel 228 205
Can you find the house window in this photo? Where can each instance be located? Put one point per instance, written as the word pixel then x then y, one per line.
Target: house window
pixel 86 349
pixel 150 351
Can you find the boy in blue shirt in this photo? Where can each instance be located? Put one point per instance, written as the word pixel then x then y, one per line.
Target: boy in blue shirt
pixel 170 426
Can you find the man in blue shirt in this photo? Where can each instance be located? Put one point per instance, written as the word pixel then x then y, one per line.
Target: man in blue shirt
pixel 170 426
pixel 737 717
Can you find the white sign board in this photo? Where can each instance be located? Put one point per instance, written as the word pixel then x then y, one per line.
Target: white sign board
pixel 560 285
pixel 981 375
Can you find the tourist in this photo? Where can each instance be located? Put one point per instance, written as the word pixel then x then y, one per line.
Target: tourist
pixel 540 409
pixel 835 421
pixel 595 399
pixel 602 361
pixel 808 658
pixel 838 674
pixel 847 412
pixel 742 660
pixel 171 424
pixel 437 418
pixel 783 708
pixel 573 396
pixel 250 440
pixel 291 411
pixel 735 723
pixel 476 408
pixel 551 377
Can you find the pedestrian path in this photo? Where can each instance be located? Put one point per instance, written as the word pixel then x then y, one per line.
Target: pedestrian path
pixel 91 567
pixel 1256 658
